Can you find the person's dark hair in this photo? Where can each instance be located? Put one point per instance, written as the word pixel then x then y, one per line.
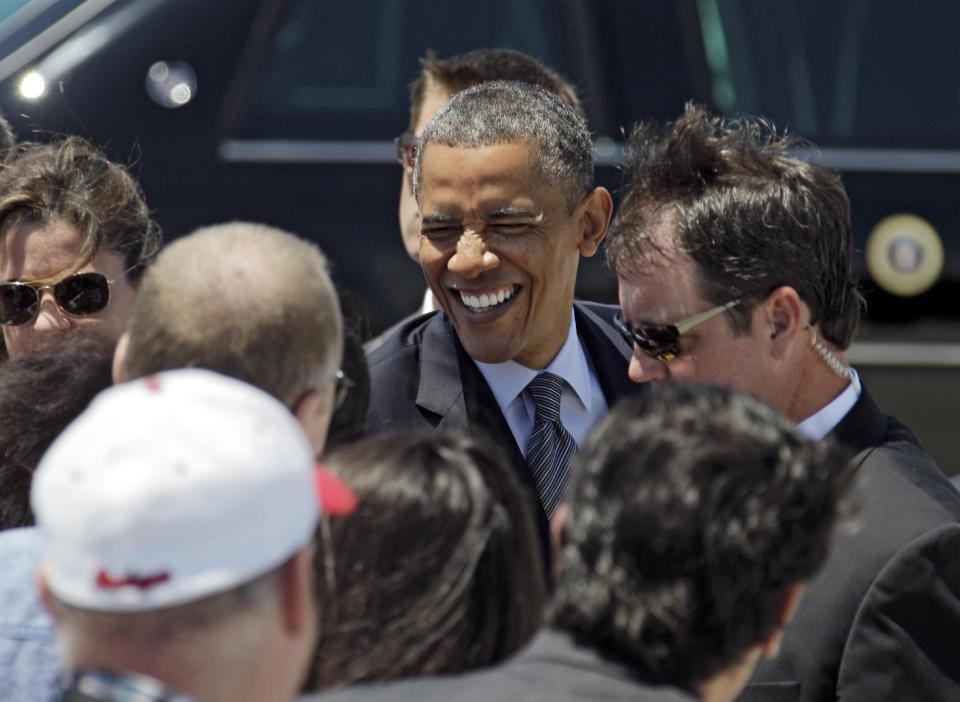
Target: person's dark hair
pixel 752 215
pixel 438 570
pixel 39 397
pixel 693 510
pixel 457 73
pixel 72 181
pixel 510 112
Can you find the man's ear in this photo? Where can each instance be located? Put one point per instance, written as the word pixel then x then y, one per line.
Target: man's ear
pixel 788 607
pixel 786 316
pixel 596 210
pixel 313 410
pixel 297 593
pixel 120 359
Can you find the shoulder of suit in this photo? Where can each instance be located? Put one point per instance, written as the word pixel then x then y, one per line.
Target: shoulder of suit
pixel 466 687
pixel 402 338
pixel 901 476
pixel 902 498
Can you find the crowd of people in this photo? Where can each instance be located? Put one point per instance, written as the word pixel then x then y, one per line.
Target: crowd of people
pixel 212 489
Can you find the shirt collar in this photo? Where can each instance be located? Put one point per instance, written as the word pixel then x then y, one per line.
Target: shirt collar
pixel 122 687
pixel 824 420
pixel 508 379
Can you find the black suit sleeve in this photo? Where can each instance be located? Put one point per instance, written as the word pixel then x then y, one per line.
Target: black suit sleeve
pixel 905 639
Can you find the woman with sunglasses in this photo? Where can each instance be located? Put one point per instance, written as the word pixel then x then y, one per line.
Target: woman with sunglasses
pixel 75 238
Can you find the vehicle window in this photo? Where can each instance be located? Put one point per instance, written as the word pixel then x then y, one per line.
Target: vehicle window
pixel 336 70
pixel 869 73
pixel 9 7
pixel 645 64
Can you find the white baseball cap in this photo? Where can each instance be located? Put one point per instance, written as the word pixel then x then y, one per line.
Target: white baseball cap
pixel 174 487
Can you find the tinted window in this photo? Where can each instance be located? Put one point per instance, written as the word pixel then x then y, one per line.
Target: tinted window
pixel 875 73
pixel 336 70
pixel 648 67
pixel 8 8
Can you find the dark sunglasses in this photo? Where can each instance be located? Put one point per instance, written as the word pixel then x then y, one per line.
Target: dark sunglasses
pixel 77 295
pixel 662 341
pixel 407 144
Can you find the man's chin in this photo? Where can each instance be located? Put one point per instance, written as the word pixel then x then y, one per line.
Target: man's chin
pixel 485 354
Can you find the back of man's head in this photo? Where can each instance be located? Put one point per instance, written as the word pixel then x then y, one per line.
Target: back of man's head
pixel 178 513
pixel 510 112
pixel 457 73
pixel 245 300
pixel 694 514
pixel 751 214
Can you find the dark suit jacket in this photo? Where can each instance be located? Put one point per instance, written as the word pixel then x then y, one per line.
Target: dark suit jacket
pixel 553 668
pixel 882 620
pixel 422 379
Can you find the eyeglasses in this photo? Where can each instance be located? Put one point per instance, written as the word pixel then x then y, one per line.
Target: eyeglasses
pixel 343 388
pixel 407 145
pixel 662 341
pixel 77 295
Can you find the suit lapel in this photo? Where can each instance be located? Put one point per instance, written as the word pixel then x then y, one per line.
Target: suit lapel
pixel 608 353
pixel 439 391
pixel 452 387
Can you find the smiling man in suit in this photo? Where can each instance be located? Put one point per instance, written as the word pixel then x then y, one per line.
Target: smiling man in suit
pixel 733 258
pixel 504 183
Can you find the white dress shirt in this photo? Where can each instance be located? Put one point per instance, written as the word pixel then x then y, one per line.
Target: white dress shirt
pixel 581 405
pixel 823 421
pixel 429 303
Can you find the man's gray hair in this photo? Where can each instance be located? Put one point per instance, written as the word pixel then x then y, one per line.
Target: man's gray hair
pixel 510 112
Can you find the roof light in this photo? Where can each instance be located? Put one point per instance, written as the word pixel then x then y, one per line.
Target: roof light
pixel 32 85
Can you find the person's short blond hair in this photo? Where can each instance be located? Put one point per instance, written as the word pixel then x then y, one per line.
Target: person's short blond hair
pixel 245 300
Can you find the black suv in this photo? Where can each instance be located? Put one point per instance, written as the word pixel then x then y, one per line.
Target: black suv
pixel 282 111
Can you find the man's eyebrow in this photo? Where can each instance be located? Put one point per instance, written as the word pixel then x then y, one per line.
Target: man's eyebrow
pixel 439 218
pixel 511 213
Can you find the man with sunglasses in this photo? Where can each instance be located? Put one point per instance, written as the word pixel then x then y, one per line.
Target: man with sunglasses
pixel 504 182
pixel 733 259
pixel 439 80
pixel 75 239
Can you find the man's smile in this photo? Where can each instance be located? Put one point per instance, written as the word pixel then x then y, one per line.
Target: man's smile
pixel 482 302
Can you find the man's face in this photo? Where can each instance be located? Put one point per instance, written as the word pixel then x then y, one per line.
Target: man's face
pixel 434 98
pixel 45 253
pixel 500 250
pixel 666 292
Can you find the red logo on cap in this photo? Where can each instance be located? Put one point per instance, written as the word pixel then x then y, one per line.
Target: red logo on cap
pixel 152 383
pixel 142 582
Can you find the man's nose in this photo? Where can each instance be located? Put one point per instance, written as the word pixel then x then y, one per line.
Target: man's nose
pixel 472 256
pixel 644 369
pixel 50 317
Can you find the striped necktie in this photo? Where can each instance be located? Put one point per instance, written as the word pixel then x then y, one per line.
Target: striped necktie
pixel 550 447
